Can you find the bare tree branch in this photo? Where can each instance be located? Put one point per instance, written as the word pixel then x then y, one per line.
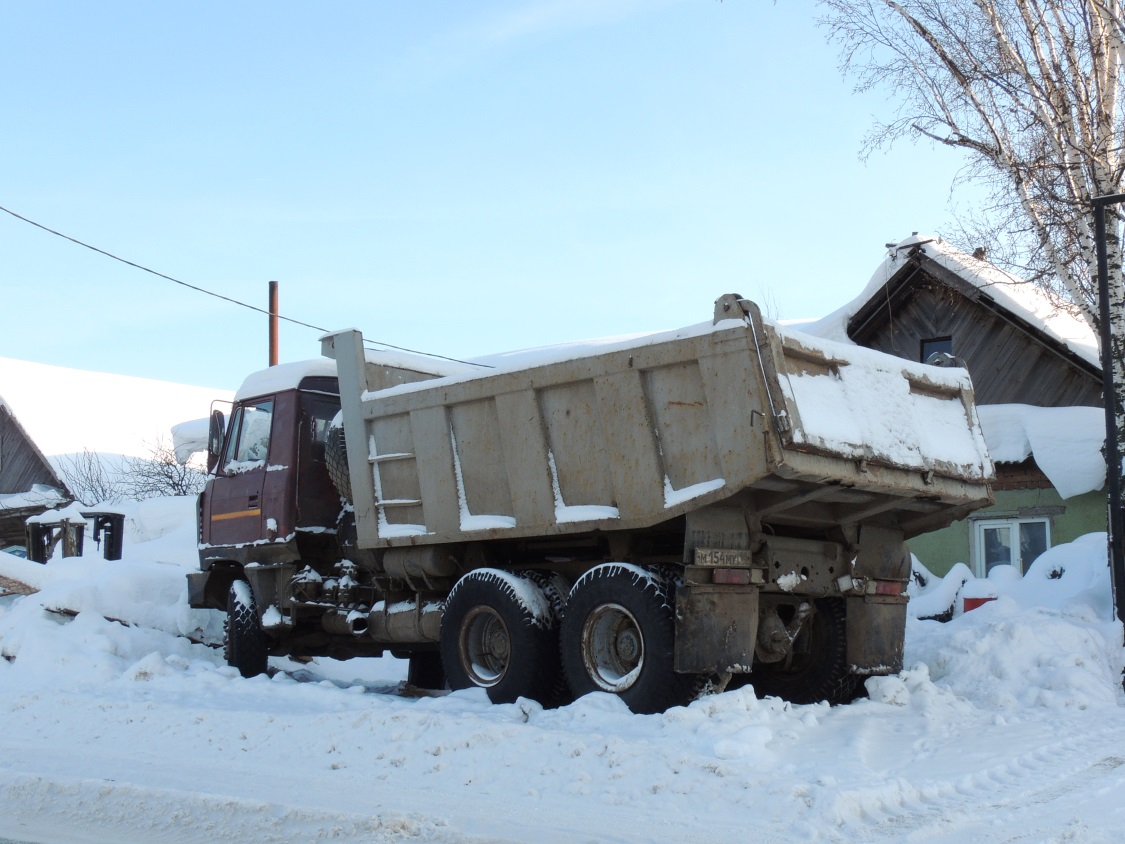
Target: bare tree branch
pixel 1030 92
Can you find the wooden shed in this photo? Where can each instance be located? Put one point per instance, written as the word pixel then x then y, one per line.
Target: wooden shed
pixel 28 483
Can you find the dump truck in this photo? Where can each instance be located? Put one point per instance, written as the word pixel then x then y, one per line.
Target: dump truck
pixel 647 517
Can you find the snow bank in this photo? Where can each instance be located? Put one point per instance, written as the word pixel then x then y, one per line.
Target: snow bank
pixel 1005 726
pixel 1045 639
pixel 147 587
pixel 1073 577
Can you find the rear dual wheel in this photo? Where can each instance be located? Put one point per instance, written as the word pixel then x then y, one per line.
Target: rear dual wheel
pixel 499 632
pixel 618 636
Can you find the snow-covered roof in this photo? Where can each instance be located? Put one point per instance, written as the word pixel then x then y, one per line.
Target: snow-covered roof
pixel 284 376
pixel 1066 442
pixel 190 438
pixel 65 410
pixel 40 495
pixel 1013 294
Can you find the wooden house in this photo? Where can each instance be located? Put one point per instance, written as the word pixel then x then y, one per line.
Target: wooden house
pixel 1025 353
pixel 28 483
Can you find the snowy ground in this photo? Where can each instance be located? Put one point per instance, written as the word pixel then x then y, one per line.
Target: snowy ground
pixel 1007 727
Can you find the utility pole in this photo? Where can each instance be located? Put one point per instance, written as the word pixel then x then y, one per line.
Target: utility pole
pixel 273 323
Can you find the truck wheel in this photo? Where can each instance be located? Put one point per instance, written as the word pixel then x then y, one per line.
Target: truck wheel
pixel 618 635
pixel 336 459
pixel 498 632
pixel 818 668
pixel 244 643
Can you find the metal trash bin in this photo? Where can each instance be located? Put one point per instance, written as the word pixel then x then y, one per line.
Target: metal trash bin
pixel 112 527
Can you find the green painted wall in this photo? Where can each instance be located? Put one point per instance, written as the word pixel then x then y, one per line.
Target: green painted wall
pixel 1069 519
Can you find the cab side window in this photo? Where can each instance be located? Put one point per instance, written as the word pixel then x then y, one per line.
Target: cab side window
pixel 249 443
pixel 319 413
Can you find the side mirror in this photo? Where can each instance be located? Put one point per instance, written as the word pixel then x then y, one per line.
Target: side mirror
pixel 215 439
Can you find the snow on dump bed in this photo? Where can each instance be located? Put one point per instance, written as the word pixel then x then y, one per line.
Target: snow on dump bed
pixel 522 359
pixel 866 410
pixel 864 407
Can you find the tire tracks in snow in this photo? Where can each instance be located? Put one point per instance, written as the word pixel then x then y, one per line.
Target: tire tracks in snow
pixel 986 804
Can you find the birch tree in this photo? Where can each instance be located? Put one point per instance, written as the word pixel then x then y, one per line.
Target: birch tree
pixel 1030 92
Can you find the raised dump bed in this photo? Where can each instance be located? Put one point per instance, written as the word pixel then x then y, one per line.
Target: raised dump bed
pixel 795 431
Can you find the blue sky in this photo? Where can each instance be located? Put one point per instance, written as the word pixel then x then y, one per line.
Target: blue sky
pixel 455 177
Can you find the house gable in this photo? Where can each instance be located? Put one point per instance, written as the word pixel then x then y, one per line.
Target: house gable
pixel 22 464
pixel 1010 359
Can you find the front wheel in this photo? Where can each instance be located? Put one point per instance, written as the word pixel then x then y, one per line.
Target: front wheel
pixel 618 636
pixel 244 643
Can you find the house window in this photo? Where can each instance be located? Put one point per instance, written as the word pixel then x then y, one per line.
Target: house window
pixel 934 345
pixel 1010 542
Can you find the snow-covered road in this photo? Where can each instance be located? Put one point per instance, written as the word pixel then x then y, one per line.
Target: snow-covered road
pixel 1007 727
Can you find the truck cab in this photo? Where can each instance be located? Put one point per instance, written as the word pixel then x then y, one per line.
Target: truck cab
pixel 270 498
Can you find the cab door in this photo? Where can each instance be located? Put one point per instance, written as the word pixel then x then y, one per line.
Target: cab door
pixel 236 491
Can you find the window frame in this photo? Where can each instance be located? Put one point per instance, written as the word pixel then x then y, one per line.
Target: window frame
pixel 979 526
pixel 230 464
pixel 923 356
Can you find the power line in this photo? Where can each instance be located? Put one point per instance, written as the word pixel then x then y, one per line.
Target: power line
pixel 221 296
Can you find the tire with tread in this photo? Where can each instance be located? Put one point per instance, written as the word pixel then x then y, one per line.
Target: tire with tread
pixel 618 635
pixel 819 669
pixel 336 459
pixel 555 589
pixel 498 632
pixel 245 644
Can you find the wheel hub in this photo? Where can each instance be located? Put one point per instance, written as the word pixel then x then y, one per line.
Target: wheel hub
pixel 484 646
pixel 613 648
pixel 628 646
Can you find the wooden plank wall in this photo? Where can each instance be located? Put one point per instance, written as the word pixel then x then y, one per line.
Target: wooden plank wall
pixel 21 463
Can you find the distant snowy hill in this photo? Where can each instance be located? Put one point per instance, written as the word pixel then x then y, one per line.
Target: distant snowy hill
pixel 68 410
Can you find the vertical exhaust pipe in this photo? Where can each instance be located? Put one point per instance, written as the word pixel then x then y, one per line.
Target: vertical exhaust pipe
pixel 273 323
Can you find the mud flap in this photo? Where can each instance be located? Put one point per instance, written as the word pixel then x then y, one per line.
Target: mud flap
pixel 876 626
pixel 197 589
pixel 716 628
pixel 270 583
